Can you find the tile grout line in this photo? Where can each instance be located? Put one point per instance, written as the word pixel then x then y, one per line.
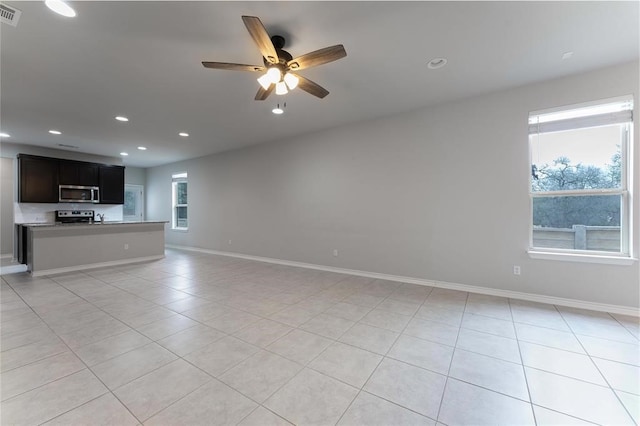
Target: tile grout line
pixel 89 368
pixel 86 366
pixel 524 372
pixel 590 358
pixel 378 366
pixel 359 348
pixel 609 386
pixel 446 383
pixel 307 365
pixel 195 366
pixel 95 375
pixel 245 270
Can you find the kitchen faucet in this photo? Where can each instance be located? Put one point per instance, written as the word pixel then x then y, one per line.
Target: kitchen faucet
pixel 101 217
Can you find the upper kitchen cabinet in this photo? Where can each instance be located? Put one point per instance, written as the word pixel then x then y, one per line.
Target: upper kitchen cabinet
pixel 111 184
pixel 78 173
pixel 38 179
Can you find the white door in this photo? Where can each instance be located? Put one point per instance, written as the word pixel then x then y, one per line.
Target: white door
pixel 133 209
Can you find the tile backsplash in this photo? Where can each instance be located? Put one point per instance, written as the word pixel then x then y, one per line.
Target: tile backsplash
pixel 45 213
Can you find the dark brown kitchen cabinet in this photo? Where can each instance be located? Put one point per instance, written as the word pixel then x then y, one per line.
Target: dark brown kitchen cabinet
pixel 38 179
pixel 78 173
pixel 111 184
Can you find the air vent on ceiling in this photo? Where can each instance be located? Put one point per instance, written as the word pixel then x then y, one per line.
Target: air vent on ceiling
pixel 9 15
pixel 64 145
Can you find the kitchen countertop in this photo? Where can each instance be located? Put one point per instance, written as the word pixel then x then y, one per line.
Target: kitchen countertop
pixel 97 223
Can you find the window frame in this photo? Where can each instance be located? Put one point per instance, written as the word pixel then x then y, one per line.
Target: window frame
pixel 177 178
pixel 625 255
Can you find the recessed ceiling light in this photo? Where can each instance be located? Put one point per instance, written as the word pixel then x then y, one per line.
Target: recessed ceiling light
pixel 142 148
pixel 436 63
pixel 55 132
pixel 124 154
pixel 122 118
pixel 567 55
pixel 4 135
pixel 60 7
pixel 184 134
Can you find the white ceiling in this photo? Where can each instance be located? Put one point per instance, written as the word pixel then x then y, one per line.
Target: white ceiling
pixel 143 60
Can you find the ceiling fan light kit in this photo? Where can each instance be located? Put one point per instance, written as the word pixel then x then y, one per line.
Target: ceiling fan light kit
pixel 291 80
pixel 272 76
pixel 281 88
pixel 277 110
pixel 279 63
pixel 283 84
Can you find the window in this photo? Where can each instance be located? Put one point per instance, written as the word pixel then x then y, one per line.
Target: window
pixel 179 201
pixel 579 179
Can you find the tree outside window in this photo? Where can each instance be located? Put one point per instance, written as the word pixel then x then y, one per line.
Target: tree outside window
pixel 579 196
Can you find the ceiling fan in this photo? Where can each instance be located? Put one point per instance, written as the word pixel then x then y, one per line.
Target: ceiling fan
pixel 279 65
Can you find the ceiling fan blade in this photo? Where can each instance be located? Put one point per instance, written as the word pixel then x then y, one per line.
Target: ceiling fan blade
pixel 318 57
pixel 311 87
pixel 264 93
pixel 232 67
pixel 261 38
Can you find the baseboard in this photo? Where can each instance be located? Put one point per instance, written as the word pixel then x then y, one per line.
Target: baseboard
pixel 573 303
pixel 95 265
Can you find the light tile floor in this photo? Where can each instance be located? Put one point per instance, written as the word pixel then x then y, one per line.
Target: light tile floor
pixel 201 339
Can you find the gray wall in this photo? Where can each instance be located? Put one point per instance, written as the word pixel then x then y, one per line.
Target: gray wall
pixel 440 194
pixel 135 175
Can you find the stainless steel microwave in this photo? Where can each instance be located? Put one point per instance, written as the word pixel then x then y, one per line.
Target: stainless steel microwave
pixel 79 194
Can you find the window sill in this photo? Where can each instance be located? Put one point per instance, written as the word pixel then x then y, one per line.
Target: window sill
pixel 180 229
pixel 579 257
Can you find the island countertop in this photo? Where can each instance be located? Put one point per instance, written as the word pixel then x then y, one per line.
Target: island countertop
pixel 96 223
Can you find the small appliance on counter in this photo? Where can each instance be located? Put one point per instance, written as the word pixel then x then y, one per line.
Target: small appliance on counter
pixel 75 216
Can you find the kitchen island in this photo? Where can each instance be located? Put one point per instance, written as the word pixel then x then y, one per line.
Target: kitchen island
pixel 57 248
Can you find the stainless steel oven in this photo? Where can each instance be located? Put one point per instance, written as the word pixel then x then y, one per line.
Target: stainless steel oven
pixel 79 194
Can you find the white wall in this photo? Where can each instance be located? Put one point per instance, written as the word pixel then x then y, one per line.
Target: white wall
pixel 440 194
pixel 6 206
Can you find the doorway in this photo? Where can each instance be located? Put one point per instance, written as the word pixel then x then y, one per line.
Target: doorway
pixel 133 209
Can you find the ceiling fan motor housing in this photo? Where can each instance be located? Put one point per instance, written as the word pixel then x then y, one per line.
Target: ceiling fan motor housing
pixel 283 55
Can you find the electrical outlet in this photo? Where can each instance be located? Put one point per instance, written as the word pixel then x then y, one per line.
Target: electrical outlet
pixel 229 242
pixel 335 252
pixel 516 270
pixel 126 246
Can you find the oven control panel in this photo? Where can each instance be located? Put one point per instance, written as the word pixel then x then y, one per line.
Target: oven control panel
pixel 75 213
